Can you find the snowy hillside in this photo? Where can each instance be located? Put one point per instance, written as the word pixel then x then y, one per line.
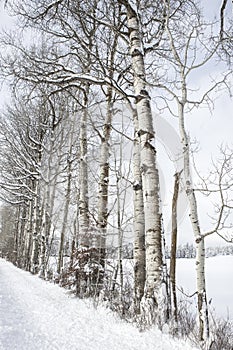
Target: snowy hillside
pixel 36 315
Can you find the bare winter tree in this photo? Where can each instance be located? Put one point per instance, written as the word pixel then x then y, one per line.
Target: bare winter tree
pixel 24 138
pixel 218 185
pixel 153 297
pixel 7 236
pixel 187 50
pixel 223 18
pixel 139 223
pixel 76 59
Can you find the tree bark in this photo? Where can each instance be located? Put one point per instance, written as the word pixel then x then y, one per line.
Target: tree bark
pixel 104 180
pixel 139 224
pixel 174 247
pixel 35 231
pixel 65 216
pixel 120 240
pixel 199 239
pixel 84 220
pixel 23 234
pixel 154 298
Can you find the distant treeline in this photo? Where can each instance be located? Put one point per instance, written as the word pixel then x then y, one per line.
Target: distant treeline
pixel 187 250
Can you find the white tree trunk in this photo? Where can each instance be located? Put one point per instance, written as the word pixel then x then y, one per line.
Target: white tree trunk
pixel 104 158
pixel 104 179
pixel 35 232
pixel 28 242
pixel 42 244
pixel 48 207
pixel 120 237
pixel 65 217
pixel 16 236
pixel 83 218
pixel 139 224
pixel 200 244
pixel 23 234
pixel 154 297
pixel 182 71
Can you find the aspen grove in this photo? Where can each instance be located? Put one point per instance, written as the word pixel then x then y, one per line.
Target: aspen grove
pixel 80 180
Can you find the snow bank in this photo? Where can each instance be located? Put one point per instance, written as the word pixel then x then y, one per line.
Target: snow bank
pixel 35 314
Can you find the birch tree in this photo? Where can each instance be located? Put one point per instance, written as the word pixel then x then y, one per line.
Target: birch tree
pixel 187 50
pixel 111 44
pixel 200 247
pixel 7 215
pixel 150 178
pixel 139 223
pixel 64 67
pixel 23 138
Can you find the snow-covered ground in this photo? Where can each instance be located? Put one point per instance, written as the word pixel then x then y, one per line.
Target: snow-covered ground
pixel 37 315
pixel 219 280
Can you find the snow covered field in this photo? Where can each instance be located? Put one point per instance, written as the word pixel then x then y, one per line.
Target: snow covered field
pixel 37 315
pixel 219 279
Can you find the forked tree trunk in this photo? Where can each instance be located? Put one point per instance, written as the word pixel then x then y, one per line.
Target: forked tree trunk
pixel 154 299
